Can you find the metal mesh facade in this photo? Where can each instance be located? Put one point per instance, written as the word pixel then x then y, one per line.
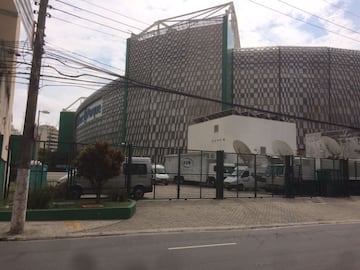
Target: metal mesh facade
pixel 316 83
pixel 309 82
pixel 189 61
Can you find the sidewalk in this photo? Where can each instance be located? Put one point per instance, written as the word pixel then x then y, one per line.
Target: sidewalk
pixel 195 215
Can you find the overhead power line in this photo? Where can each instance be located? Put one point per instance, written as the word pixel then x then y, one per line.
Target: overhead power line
pixel 88 20
pixel 321 18
pixel 86 27
pixel 99 15
pixel 115 12
pixel 60 52
pixel 136 83
pixel 342 9
pixel 303 21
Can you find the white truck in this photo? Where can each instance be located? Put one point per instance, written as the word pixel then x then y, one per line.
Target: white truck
pixel 197 167
pixel 304 169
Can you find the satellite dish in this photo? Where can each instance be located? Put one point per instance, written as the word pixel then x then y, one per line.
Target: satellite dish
pixel 243 151
pixel 240 147
pixel 281 148
pixel 331 145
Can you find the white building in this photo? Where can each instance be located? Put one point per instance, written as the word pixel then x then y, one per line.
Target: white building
pixel 257 135
pixel 48 137
pixel 12 12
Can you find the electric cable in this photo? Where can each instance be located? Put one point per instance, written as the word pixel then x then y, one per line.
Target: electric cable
pixel 303 21
pixel 97 14
pixel 88 20
pixel 321 18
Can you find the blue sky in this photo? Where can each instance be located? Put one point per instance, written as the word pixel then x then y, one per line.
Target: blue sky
pixel 260 22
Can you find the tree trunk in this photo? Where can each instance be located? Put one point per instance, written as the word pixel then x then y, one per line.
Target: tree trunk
pixel 98 192
pixel 20 202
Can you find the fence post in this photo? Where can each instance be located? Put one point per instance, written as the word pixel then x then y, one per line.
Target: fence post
pixel 219 175
pixel 289 175
pixel 129 170
pixel 255 188
pixel 178 175
pixel 344 169
pixel 201 173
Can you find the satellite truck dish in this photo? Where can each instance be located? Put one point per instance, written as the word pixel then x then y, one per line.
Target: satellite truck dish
pixel 331 145
pixel 281 148
pixel 243 151
pixel 240 147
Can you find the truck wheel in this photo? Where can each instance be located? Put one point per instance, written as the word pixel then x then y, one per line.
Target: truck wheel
pixel 138 193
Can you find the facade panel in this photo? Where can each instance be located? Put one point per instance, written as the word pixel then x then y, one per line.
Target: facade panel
pixel 187 60
pixel 315 83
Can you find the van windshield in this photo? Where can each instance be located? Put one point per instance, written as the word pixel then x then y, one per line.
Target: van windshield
pixel 160 170
pixel 237 172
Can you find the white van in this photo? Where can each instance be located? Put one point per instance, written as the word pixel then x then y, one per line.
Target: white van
pixel 140 180
pixel 159 174
pixel 242 178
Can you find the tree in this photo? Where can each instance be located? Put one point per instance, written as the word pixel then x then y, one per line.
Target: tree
pixel 99 162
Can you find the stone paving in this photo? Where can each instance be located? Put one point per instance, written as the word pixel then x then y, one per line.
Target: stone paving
pixel 153 216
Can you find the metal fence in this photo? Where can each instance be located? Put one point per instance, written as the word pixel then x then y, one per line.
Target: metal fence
pixel 189 174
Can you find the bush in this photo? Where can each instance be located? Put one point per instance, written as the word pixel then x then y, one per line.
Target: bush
pixel 119 196
pixel 41 198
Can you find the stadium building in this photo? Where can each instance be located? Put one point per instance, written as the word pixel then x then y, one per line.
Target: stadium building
pixel 190 66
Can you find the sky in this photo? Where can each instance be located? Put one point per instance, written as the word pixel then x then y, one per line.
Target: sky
pixel 84 30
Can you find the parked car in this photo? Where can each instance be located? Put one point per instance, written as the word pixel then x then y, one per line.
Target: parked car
pixel 141 181
pixel 159 174
pixel 243 178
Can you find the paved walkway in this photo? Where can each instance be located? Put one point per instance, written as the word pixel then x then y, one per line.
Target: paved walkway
pixel 192 215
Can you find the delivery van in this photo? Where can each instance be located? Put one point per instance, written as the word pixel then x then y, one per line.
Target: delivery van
pixel 141 182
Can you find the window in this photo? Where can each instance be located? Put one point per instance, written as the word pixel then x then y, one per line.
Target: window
pixel 135 169
pixel 216 128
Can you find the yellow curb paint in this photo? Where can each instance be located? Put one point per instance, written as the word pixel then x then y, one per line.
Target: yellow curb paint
pixel 73 225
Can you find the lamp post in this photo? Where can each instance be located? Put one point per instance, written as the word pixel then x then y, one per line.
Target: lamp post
pixel 37 137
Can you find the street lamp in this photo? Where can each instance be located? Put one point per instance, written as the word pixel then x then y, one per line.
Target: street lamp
pixel 37 138
pixel 38 122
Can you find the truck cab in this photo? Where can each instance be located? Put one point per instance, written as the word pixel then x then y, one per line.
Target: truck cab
pixel 159 174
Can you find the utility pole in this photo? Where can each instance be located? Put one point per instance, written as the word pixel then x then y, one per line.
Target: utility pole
pixel 22 183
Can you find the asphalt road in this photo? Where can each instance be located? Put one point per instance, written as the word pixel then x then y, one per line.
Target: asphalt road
pixel 309 247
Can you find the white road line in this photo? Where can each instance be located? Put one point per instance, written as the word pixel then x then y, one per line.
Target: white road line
pixel 202 246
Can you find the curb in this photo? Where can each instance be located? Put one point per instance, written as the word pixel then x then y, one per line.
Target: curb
pixel 84 234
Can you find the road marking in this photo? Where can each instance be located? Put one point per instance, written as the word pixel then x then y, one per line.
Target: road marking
pixel 202 246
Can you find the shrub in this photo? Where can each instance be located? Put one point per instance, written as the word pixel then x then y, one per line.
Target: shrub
pixel 41 198
pixel 119 195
